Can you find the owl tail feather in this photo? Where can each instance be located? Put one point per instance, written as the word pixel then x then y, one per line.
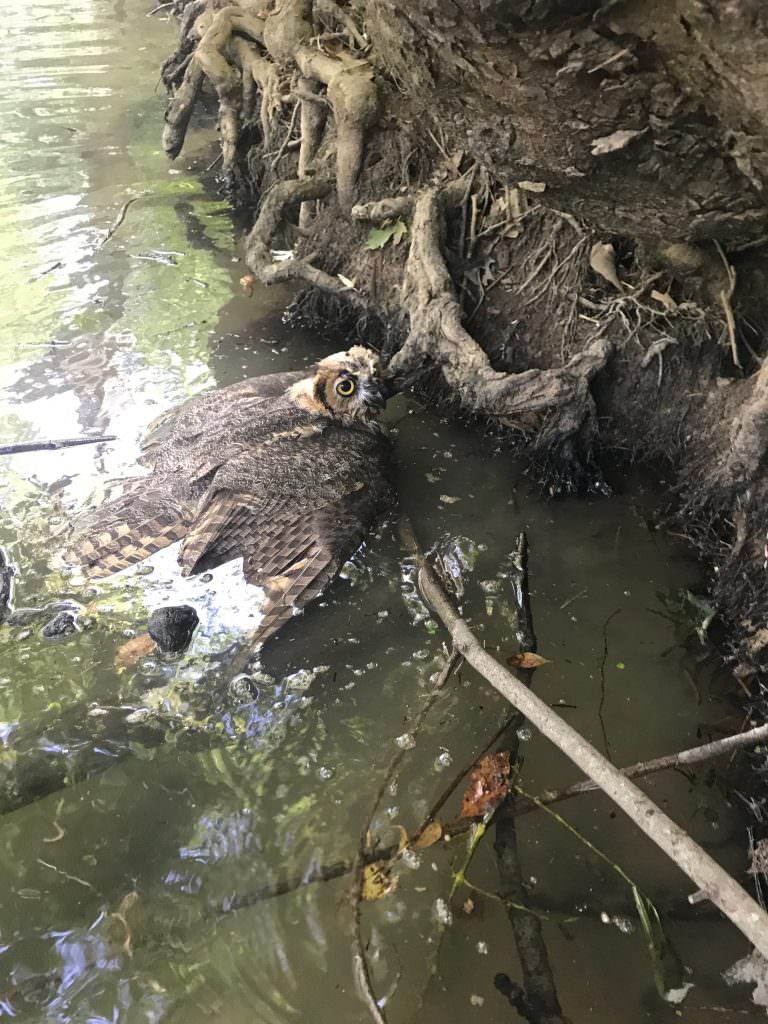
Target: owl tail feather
pixel 126 531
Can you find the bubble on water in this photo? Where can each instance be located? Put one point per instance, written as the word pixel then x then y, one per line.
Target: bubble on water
pixel 491 586
pixel 482 948
pixel 524 734
pixel 324 772
pixel 406 742
pixel 392 812
pixel 476 1000
pixel 624 924
pixel 605 918
pixel 410 858
pixel 443 760
pixel 443 912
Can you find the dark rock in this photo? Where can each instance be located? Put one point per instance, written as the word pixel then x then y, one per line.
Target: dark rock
pixel 171 628
pixel 62 624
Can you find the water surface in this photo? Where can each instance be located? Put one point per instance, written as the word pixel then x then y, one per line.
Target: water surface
pixel 114 891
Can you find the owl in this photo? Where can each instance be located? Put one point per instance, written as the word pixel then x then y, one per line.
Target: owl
pixel 286 471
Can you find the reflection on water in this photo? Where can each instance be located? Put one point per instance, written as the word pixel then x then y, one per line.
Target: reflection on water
pixel 118 891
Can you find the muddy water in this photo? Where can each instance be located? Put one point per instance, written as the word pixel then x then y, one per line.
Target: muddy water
pixel 114 891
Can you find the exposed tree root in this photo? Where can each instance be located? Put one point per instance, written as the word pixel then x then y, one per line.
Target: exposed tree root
pixel 233 68
pixel 257 245
pixel 522 400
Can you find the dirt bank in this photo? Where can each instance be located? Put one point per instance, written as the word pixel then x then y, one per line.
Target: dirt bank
pixel 556 208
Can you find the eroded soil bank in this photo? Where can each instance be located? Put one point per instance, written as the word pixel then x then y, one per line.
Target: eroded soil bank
pixel 555 208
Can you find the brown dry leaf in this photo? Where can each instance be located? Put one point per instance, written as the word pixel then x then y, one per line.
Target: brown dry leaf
pixel 378 881
pixel 527 659
pixel 247 281
pixel 614 142
pixel 488 785
pixel 665 299
pixel 133 650
pixel 602 259
pixel 532 186
pixel 431 834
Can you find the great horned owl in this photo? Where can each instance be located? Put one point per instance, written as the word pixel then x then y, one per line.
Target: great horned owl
pixel 287 471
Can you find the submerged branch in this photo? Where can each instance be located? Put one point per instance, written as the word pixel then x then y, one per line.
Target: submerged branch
pixel 538 1001
pixel 52 446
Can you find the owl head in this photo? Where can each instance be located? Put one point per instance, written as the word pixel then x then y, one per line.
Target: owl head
pixel 346 386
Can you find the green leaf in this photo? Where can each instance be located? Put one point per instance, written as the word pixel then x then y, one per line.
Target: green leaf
pixel 378 237
pixel 399 232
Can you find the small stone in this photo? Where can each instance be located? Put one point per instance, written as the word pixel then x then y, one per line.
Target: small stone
pixel 172 627
pixel 62 624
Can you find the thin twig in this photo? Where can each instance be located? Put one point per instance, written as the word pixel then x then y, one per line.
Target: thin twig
pixel 694 755
pixel 52 446
pixel 601 704
pixel 119 219
pixel 288 135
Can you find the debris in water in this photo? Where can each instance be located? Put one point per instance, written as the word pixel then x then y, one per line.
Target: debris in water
pixel 133 651
pixel 378 881
pixel 527 660
pixel 62 624
pixel 488 785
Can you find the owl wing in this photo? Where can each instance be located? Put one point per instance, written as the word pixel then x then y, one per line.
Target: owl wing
pixel 294 522
pixel 186 422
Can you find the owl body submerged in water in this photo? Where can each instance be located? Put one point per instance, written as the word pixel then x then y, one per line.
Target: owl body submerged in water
pixel 287 471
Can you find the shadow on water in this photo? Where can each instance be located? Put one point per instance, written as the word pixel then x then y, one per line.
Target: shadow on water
pixel 115 889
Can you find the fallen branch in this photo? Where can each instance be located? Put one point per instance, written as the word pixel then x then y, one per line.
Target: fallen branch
pixel 719 887
pixel 52 446
pixel 538 1001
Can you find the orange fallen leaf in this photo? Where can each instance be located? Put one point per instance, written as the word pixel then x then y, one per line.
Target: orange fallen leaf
pixel 133 650
pixel 489 783
pixel 247 281
pixel 526 659
pixel 431 834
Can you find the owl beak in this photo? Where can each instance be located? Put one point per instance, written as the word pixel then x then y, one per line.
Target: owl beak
pixel 374 395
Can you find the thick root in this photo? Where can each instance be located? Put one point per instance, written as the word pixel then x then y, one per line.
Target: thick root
pixel 180 110
pixel 258 255
pixel 556 402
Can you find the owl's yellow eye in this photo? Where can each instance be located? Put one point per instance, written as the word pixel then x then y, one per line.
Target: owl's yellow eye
pixel 345 387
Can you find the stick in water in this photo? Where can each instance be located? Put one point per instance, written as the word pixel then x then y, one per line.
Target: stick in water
pixel 719 887
pixel 52 446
